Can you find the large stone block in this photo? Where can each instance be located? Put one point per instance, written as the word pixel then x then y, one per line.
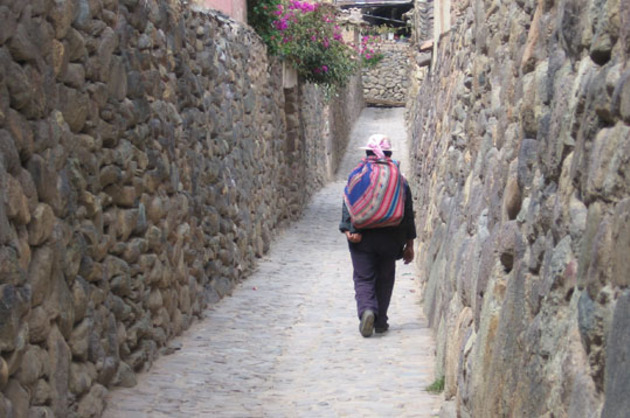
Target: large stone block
pixel 512 199
pixel 19 398
pixel 25 85
pixel 9 158
pixel 4 373
pixel 8 23
pixel 22 45
pixel 81 377
pixel 126 223
pixel 47 134
pixel 598 252
pixel 575 26
pixel 455 349
pixel 577 382
pixel 16 202
pixel 78 341
pixel 74 106
pixel 11 271
pixel 6 407
pixel 621 96
pixel 75 45
pixel 93 404
pixel 527 158
pixel 617 383
pixel 31 368
pixel 125 377
pixel 39 325
pixel 44 178
pixel 59 378
pixel 509 246
pixel 41 226
pixel 621 249
pixel 42 395
pixel 61 15
pixel 608 165
pixel 107 45
pixel 40 273
pixel 606 32
pixel 21 133
pixel 124 196
pixel 14 304
pixel 75 76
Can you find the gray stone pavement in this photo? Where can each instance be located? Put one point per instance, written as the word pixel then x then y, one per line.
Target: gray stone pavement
pixel 286 342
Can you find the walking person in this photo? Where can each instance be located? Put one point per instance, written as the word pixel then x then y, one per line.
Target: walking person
pixel 378 221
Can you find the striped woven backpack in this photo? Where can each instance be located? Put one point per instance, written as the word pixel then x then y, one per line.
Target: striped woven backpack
pixel 375 194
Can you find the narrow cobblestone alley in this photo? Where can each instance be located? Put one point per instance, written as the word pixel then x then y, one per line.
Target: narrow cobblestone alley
pixel 286 343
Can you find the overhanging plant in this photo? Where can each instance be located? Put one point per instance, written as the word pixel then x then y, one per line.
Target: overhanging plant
pixel 307 36
pixel 260 16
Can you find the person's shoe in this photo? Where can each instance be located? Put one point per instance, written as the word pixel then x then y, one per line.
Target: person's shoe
pixel 380 329
pixel 366 327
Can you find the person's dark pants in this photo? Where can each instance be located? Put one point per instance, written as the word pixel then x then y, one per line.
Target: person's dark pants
pixel 374 263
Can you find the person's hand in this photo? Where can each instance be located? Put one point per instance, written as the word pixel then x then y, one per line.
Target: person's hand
pixel 353 238
pixel 408 253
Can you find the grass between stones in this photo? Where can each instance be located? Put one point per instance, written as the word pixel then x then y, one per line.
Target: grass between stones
pixel 437 386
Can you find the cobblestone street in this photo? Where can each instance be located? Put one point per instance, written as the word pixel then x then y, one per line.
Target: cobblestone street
pixel 286 342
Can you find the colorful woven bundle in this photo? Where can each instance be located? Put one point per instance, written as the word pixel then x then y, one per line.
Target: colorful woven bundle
pixel 375 194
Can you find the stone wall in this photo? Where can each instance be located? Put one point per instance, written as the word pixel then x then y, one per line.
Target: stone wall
pixel 521 134
pixel 146 162
pixel 387 82
pixel 421 20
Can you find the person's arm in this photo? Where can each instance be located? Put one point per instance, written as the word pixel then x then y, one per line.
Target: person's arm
pixel 345 224
pixel 408 252
pixel 410 226
pixel 346 227
pixel 409 220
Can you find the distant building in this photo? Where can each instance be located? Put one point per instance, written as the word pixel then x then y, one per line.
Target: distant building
pixel 392 14
pixel 371 3
pixel 236 9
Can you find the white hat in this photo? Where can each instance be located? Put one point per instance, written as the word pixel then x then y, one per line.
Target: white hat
pixel 378 142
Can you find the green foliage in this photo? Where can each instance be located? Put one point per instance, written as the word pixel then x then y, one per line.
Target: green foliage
pixel 308 38
pixel 437 386
pixel 370 50
pixel 373 60
pixel 260 16
pixel 384 29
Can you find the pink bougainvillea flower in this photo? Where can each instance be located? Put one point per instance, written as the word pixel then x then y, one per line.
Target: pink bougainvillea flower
pixel 281 24
pixel 325 68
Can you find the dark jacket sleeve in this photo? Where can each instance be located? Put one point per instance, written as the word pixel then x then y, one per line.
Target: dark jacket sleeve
pixel 346 224
pixel 409 222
